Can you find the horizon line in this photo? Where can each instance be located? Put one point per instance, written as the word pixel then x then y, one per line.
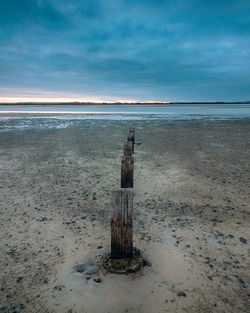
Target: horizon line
pixel 118 102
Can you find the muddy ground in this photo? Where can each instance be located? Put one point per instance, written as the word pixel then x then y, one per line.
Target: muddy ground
pixel 191 217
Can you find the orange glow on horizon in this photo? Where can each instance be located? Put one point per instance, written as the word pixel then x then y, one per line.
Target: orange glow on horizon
pixel 32 99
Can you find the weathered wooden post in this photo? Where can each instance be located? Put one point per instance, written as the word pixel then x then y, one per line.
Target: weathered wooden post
pixel 122 210
pixel 128 147
pixel 127 172
pixel 131 137
pixel 122 224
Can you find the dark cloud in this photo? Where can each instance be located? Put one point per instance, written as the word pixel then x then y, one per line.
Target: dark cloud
pixel 167 50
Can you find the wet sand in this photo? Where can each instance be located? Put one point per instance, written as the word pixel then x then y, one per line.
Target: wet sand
pixel 191 217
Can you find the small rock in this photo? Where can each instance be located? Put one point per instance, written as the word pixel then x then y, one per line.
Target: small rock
pixel 242 239
pixel 241 280
pixel 146 262
pixel 181 294
pixel 19 279
pixel 22 306
pixel 225 300
pixel 215 220
pixel 80 268
pixel 97 278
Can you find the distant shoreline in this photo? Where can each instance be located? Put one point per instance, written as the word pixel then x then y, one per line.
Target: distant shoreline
pixel 125 104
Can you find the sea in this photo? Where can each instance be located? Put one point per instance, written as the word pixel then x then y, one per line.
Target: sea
pixel 21 117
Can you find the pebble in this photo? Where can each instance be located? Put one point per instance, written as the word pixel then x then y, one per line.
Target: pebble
pixel 19 279
pixel 181 294
pixel 242 239
pixel 146 262
pixel 97 278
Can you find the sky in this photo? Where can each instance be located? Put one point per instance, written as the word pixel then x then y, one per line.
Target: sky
pixel 124 50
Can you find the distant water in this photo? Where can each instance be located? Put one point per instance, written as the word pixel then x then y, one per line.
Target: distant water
pixel 62 116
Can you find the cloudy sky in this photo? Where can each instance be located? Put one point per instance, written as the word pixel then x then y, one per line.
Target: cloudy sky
pixel 182 50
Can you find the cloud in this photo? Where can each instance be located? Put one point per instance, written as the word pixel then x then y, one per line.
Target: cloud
pixel 182 50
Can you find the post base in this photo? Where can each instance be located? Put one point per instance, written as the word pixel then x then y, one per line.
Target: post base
pixel 124 266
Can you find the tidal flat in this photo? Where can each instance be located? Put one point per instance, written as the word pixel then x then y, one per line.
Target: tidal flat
pixel 191 216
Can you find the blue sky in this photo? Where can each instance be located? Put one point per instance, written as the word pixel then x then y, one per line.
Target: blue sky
pixel 144 50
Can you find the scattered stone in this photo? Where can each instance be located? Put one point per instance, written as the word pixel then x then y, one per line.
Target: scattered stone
pixel 97 278
pixel 181 294
pixel 80 268
pixel 19 279
pixel 242 239
pixel 22 306
pixel 241 281
pixel 146 262
pixel 57 287
pixel 215 220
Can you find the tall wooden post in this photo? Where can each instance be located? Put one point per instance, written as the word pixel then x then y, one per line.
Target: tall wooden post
pixel 122 224
pixel 127 172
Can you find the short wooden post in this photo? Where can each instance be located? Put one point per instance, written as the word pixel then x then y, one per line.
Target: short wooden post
pixel 127 172
pixel 122 224
pixel 131 137
pixel 128 146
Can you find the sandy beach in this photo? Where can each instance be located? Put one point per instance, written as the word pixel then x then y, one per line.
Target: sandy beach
pixel 191 217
